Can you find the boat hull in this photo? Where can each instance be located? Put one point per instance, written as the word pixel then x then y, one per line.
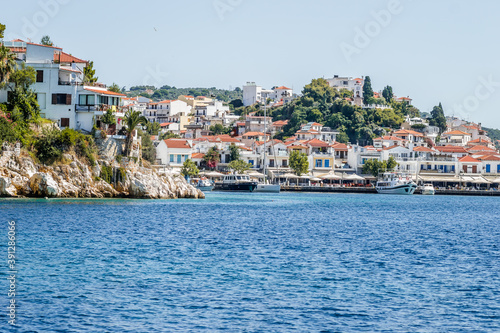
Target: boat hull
pixel 205 188
pixel 268 188
pixel 406 189
pixel 428 192
pixel 242 187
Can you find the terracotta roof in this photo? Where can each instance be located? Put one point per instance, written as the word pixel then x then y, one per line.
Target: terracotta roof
pixel 104 92
pixel 489 158
pixel 254 134
pixel 297 147
pixel 64 57
pixel 392 138
pixel 480 148
pixel 167 101
pixel 403 132
pixel 469 159
pixel 456 132
pixel 423 149
pixel 451 149
pixel 53 47
pixel 198 155
pixel 177 143
pixel 282 88
pixel 280 123
pixel 479 140
pixel 340 146
pixel 317 143
pixel 391 147
pixel 164 124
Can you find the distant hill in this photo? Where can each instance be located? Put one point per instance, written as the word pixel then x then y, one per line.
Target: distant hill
pixel 493 133
pixel 168 92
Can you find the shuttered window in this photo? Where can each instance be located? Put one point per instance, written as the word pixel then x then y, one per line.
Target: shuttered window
pixel 64 122
pixel 61 99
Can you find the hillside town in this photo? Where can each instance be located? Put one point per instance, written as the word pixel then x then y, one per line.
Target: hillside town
pixel 461 154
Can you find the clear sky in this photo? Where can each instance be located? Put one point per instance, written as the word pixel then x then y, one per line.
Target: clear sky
pixel 433 51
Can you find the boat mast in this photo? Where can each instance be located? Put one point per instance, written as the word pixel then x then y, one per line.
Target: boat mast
pixel 265 139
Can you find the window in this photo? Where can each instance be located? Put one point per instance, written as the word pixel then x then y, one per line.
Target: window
pixel 171 158
pixel 488 168
pixel 498 168
pixel 285 163
pixel 327 163
pixel 251 162
pixel 39 76
pixel 61 99
pixel 271 163
pixel 64 122
pixel 319 163
pixel 179 159
pixel 86 100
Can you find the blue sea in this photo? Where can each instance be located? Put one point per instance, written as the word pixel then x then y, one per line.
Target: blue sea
pixel 247 262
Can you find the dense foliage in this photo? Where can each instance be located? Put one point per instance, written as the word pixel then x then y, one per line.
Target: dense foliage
pixel 212 157
pixel 52 143
pixel 373 166
pixel 323 104
pixel 299 162
pixel 437 118
pixel 148 148
pixel 189 169
pixel 239 166
pixel 167 92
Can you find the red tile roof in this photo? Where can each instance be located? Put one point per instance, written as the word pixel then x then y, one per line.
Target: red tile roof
pixel 177 143
pixel 489 158
pixel 456 132
pixel 317 143
pixel 282 88
pixel 480 140
pixel 480 148
pixel 280 123
pixel 451 149
pixel 198 156
pixel 468 158
pixel 254 134
pixel 423 149
pixel 406 132
pixel 104 92
pixel 64 57
pixel 392 138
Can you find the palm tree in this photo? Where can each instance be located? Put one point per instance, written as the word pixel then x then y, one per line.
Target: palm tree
pixel 132 120
pixel 7 65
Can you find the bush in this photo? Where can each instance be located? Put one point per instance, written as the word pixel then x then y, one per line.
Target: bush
pixel 107 173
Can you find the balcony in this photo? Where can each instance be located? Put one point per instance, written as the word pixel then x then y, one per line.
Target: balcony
pixel 69 83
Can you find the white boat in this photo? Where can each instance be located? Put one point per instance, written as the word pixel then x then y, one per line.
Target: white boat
pixel 268 188
pixel 395 183
pixel 205 185
pixel 238 183
pixel 428 189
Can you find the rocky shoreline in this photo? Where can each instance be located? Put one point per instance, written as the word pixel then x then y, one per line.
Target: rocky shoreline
pixel 20 176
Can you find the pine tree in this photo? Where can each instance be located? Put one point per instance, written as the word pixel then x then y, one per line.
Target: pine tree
pixel 367 90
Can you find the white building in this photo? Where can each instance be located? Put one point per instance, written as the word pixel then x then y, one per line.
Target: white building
pixel 173 152
pixel 59 86
pixel 253 93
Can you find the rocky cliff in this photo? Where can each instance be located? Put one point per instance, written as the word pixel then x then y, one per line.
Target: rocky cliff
pixel 21 176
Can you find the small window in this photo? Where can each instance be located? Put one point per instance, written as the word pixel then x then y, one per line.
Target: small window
pixel 61 99
pixel 327 163
pixel 64 122
pixel 171 158
pixel 39 76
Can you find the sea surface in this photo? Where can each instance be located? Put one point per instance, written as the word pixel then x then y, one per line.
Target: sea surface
pixel 247 262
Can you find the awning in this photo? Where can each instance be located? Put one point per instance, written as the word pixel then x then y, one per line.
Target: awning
pixel 480 180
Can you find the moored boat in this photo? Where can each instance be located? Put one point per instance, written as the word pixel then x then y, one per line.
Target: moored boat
pixel 395 183
pixel 268 188
pixel 205 185
pixel 238 183
pixel 428 189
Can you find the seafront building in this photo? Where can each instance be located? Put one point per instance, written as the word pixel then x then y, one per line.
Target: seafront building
pixel 62 94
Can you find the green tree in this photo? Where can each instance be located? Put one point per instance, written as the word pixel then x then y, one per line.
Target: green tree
pixel 234 152
pixel 148 148
pixel 89 73
pixel 46 41
pixel 7 65
pixel 115 88
pixel 388 94
pixel 169 135
pixel 109 118
pixel 212 157
pixel 132 120
pixel 189 168
pixel 2 29
pixel 437 118
pixel 342 137
pixel 239 166
pixel 218 129
pixel 391 164
pixel 367 90
pixel 153 128
pixel 23 99
pixel 299 162
pixel 320 91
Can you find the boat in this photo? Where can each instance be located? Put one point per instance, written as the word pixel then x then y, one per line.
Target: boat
pixel 268 188
pixel 205 185
pixel 428 189
pixel 238 182
pixel 395 183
